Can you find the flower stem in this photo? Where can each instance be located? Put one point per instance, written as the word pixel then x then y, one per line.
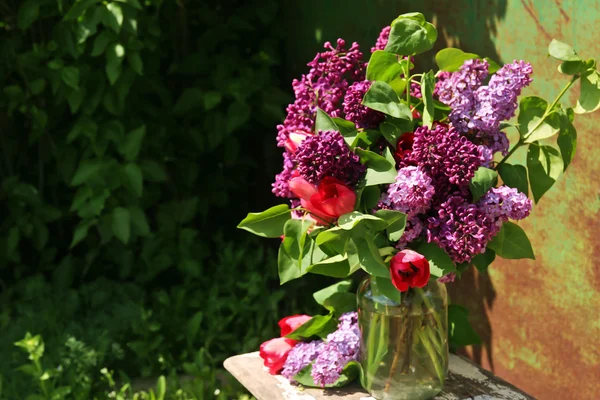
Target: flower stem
pixel 540 122
pixel 402 325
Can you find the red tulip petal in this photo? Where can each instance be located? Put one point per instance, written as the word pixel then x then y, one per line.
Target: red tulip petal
pixel 274 352
pixel 291 323
pixel 302 188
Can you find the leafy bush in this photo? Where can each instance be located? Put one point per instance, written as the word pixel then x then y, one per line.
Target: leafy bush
pixel 130 134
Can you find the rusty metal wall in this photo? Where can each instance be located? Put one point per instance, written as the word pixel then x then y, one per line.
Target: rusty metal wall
pixel 539 320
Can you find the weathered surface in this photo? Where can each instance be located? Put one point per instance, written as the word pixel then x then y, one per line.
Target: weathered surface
pixel 465 381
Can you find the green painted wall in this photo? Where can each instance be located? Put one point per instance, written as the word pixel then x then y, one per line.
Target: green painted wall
pixel 540 320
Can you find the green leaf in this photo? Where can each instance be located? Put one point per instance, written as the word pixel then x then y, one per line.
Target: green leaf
pixel 381 97
pixel 136 63
pixel 70 76
pixel 562 51
pixel 336 267
pixel 573 67
pixel 115 53
pixel 153 171
pixel 101 41
pixel 452 59
pixel 427 86
pixel 324 122
pixel 531 111
pixel 113 17
pixel 139 222
pixel 589 93
pixel 88 169
pixel 493 65
pixel 28 13
pixel 544 165
pixel 440 262
pixel 387 288
pixel 483 180
pixel 340 303
pixel 81 231
pixel 514 176
pixel 317 326
pixel 350 372
pixel 191 99
pixel 384 66
pixel 363 253
pixel 567 141
pixel 75 98
pixel 78 9
pixel 346 128
pixel 340 287
pixel 354 218
pixel 511 243
pixel 133 179
pixel 483 261
pixel 297 251
pixel 238 113
pixel 381 173
pixel 411 34
pixel 121 224
pixel 333 241
pixel 369 197
pixel 461 332
pixel 161 388
pixel 268 223
pixel 212 99
pixel 132 143
pixel 396 222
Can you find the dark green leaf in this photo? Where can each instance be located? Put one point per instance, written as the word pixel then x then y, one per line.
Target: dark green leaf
pixel 411 34
pixel 324 122
pixel 28 13
pixel 381 173
pixel 567 141
pixel 88 169
pixel 153 171
pixel 78 8
pixel 136 63
pixel 461 332
pixel 384 66
pixel 333 241
pixel 133 179
pixel 452 59
pixel 101 42
pixel 354 218
pixel 483 261
pixel 514 176
pixel 340 303
pixel 317 326
pixel 511 242
pixel 70 76
pixel 483 180
pixel 589 93
pixel 369 198
pixel 440 262
pixel 268 223
pixel 121 224
pixel 381 97
pixel 81 231
pixel 363 253
pixel 191 99
pixel 237 114
pixel 212 99
pixel 427 86
pixel 544 165
pixel 336 267
pixel 138 221
pixel 346 128
pixel 113 16
pixel 132 143
pixel 531 111
pixel 562 51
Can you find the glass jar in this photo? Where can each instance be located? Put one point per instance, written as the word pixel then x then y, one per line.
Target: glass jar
pixel 404 345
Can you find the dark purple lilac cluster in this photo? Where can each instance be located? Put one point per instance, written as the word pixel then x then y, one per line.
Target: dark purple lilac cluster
pixel 354 111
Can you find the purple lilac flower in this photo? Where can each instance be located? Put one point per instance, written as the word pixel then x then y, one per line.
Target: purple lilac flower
pixel 300 356
pixel 448 278
pixel 441 76
pixel 342 346
pixel 327 154
pixel 461 229
pixel 382 40
pixel 281 185
pixel 457 90
pixel 413 230
pixel 362 116
pixel 324 87
pixel 503 203
pixel 446 156
pixel 411 193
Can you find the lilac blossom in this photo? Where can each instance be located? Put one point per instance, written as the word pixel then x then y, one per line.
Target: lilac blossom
pixel 281 185
pixel 323 87
pixel 413 230
pixel 342 346
pixel 300 356
pixel 327 154
pixel 446 156
pixel 462 229
pixel 361 115
pixel 503 203
pixel 382 40
pixel 411 193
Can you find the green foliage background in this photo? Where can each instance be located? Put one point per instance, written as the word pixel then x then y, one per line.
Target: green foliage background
pixel 132 137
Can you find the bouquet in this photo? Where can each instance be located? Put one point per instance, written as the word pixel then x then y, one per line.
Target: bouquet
pixel 407 176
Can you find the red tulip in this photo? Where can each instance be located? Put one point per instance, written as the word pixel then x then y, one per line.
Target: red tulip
pixel 294 139
pixel 274 352
pixel 404 146
pixel 328 201
pixel 409 269
pixel 291 323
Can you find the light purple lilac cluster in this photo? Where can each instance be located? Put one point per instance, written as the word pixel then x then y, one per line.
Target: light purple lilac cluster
pixel 328 357
pixel 411 193
pixel 479 108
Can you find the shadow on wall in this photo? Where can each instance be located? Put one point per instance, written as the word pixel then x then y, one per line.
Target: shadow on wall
pixel 312 22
